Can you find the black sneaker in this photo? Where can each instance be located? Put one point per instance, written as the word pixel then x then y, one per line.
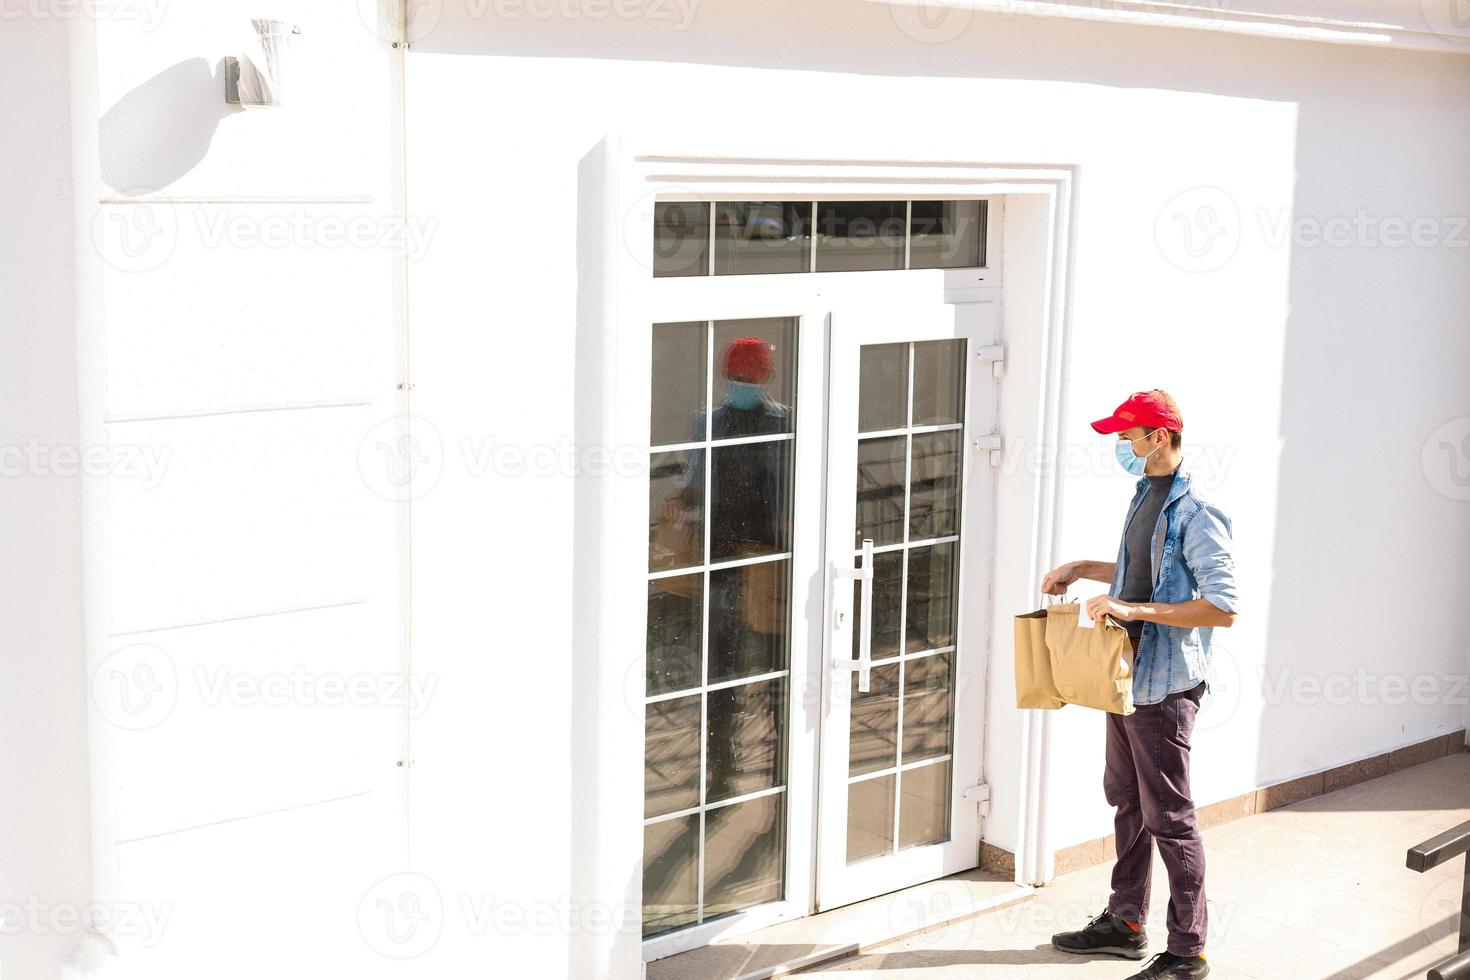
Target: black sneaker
pixel 1107 933
pixel 1170 965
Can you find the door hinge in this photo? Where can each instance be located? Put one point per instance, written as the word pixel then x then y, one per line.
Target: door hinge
pixel 980 796
pixel 990 443
pixel 995 355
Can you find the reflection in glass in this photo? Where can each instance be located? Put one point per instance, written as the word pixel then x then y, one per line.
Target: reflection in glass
pixel 931 605
pixel 718 625
pixel 873 736
pixel 675 512
pixel 924 813
pixel 939 382
pixel 870 817
pixel 859 236
pixel 755 383
pixel 887 601
pixel 946 234
pixel 747 619
pixel 934 487
pixel 670 755
pixel 670 874
pixel 750 500
pixel 883 387
pixel 757 237
pixel 744 751
pixel 680 364
pixel 674 613
pixel 926 711
pixel 681 238
pixel 743 863
pixel 880 475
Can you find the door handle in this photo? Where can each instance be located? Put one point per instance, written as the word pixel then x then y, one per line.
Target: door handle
pixel 864 574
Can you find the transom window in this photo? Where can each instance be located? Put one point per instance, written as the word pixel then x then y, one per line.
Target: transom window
pixel 723 238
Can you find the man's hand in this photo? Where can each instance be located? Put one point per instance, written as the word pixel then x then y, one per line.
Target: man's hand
pixel 1105 605
pixel 1056 581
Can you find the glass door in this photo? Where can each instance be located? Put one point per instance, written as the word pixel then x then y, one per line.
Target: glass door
pixel 734 579
pixel 908 504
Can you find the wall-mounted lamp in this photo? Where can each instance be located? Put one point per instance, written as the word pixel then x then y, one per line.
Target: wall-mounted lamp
pixel 258 76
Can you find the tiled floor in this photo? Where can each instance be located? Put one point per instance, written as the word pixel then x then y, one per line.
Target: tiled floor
pixel 1314 891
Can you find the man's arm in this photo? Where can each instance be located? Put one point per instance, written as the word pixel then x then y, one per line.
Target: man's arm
pixel 1206 549
pixel 1057 580
pixel 1194 612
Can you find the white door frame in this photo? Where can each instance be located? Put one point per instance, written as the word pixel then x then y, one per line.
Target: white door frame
pixel 621 179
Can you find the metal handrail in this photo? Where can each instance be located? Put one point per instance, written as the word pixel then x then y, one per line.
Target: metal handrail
pixel 1430 854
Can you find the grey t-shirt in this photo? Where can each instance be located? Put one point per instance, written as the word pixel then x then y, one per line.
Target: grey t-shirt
pixel 1138 583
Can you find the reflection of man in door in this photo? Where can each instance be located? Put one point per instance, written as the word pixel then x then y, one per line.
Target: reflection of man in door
pixel 1173 581
pixel 748 518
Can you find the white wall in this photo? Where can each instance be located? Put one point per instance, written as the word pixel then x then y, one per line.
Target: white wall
pixel 246 747
pixel 44 830
pixel 1264 352
pixel 260 374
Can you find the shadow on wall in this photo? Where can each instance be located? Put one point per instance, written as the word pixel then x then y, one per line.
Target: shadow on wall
pixel 161 130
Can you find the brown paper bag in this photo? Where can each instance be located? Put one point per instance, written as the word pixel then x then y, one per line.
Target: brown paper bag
pixel 1034 685
pixel 1091 667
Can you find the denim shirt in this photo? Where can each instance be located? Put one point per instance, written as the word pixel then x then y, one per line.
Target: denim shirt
pixel 1191 558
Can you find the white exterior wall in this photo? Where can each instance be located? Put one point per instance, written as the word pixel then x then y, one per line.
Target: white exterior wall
pixel 244 584
pixel 1311 376
pixel 44 827
pixel 1281 357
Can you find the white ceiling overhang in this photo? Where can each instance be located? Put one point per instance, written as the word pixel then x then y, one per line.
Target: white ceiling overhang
pixel 1426 25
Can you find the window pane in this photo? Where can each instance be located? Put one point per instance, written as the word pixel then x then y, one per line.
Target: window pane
pixel 747 619
pixel 670 755
pixel 946 234
pixel 681 239
pixel 887 599
pixel 674 613
pixel 750 500
pixel 857 236
pixel 762 399
pixel 745 751
pixel 675 511
pixel 744 855
pixel 883 387
pixel 670 874
pixel 880 474
pixel 870 817
pixel 926 687
pixel 924 814
pixel 939 382
pixel 934 488
pixel 754 237
pixel 931 608
pixel 873 729
pixel 679 368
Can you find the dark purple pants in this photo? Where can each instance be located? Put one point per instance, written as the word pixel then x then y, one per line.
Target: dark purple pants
pixel 1147 780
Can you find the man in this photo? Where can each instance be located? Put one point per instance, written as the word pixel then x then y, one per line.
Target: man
pixel 1172 583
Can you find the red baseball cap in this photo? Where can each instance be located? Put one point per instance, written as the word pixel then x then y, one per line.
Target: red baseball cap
pixel 749 359
pixel 1151 409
